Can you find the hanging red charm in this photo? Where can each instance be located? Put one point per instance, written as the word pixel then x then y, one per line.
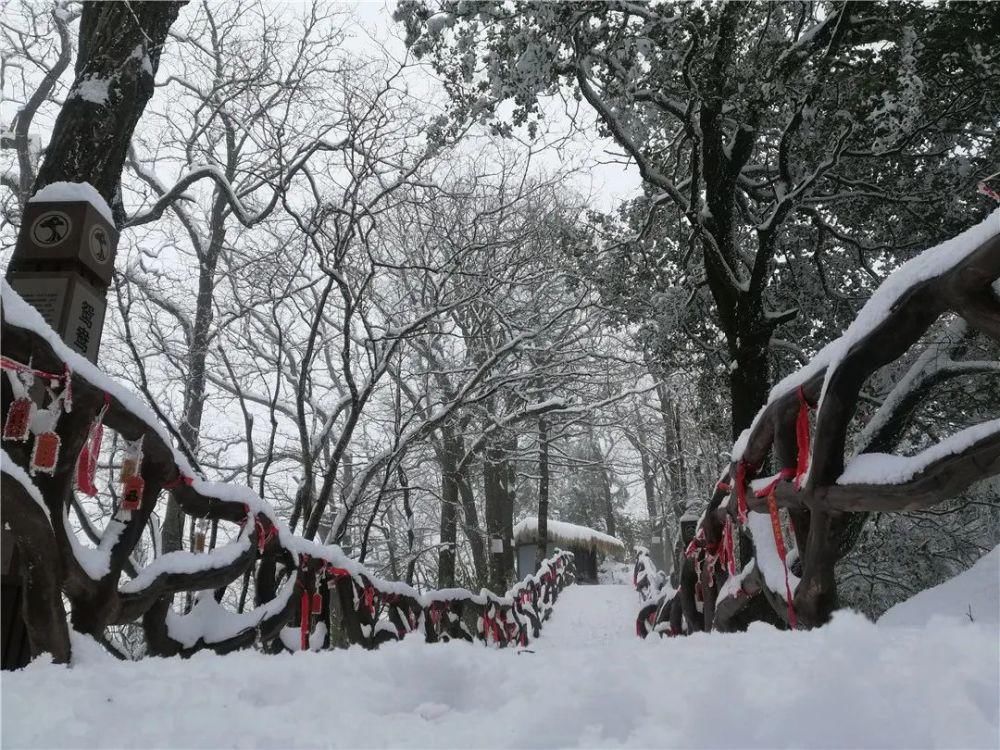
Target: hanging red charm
pixel 45 454
pixel 17 426
pixel 86 463
pixel 132 495
pixel 317 604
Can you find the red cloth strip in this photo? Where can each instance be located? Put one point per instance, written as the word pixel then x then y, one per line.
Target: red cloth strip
pixel 304 619
pixel 741 491
pixel 783 476
pixel 6 363
pixel 802 439
pixel 779 542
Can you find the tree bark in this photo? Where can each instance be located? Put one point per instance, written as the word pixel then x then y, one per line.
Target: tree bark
pixel 499 514
pixel 449 525
pixel 543 493
pixel 90 139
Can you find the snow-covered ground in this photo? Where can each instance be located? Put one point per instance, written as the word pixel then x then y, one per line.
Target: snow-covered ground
pixel 971 596
pixel 587 682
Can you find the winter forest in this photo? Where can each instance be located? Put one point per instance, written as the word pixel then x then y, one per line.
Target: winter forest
pixel 500 374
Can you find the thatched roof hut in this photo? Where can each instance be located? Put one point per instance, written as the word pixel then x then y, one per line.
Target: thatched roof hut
pixel 582 541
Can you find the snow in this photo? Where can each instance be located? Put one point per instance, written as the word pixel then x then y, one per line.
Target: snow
pixel 734 583
pixel 70 192
pixel 766 554
pixel 930 263
pixel 587 682
pixel 93 90
pixel 212 623
pixel 971 597
pixel 95 561
pixel 885 468
pixel 182 561
pixel 565 533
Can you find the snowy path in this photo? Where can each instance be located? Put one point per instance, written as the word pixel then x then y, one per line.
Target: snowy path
pixel 589 617
pixel 588 682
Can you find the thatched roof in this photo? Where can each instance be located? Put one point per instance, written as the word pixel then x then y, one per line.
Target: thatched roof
pixel 568 536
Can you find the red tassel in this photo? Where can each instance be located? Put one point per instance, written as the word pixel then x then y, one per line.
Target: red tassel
pixel 45 454
pixel 317 604
pixel 741 491
pixel 779 543
pixel 132 495
pixel 86 463
pixel 728 546
pixel 304 620
pixel 17 426
pixel 802 439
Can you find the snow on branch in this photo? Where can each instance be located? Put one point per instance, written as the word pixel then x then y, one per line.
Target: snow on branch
pixel 816 474
pixel 364 601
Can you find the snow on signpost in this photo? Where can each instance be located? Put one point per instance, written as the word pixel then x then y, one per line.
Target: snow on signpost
pixel 64 261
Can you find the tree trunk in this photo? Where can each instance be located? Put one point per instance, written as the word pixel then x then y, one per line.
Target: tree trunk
pixel 90 139
pixel 672 451
pixel 499 515
pixel 473 530
pixel 543 493
pixel 449 525
pixel 609 509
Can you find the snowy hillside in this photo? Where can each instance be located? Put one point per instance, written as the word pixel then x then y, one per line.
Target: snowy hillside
pixel 973 596
pixel 587 682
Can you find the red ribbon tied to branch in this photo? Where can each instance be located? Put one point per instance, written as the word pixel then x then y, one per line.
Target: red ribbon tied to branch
pixel 802 438
pixel 779 543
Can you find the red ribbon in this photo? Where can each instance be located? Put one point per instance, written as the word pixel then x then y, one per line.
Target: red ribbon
pixel 178 481
pixel 304 619
pixel 695 545
pixel 741 491
pixel 728 554
pixel 6 363
pixel 989 192
pixel 337 573
pixel 265 532
pixel 86 462
pixel 802 439
pixel 784 475
pixel 779 543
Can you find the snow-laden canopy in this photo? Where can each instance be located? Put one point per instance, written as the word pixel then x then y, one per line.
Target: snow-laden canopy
pixel 568 535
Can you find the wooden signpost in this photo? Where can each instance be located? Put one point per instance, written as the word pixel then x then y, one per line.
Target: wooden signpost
pixel 63 267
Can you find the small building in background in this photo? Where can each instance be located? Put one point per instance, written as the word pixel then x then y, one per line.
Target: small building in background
pixel 588 545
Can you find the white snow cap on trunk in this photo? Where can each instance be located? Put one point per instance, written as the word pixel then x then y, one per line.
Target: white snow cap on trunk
pixel 71 192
